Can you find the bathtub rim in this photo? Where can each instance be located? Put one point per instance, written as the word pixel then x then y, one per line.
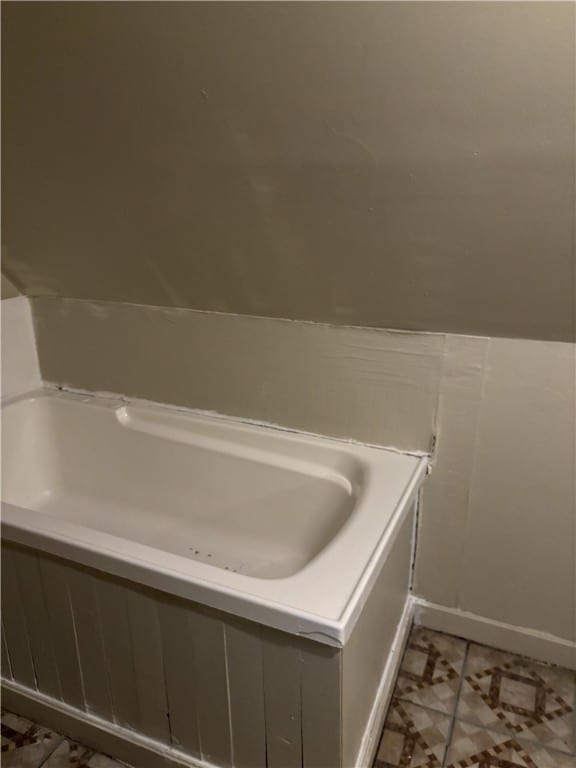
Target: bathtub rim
pixel 325 618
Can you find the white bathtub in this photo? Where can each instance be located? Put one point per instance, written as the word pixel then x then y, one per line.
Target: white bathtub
pixel 285 529
pixel 298 536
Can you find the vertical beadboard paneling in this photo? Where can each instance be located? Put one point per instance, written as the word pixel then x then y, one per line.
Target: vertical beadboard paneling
pixel 91 654
pixel 113 611
pixel 321 708
pixel 148 665
pixel 6 669
pixel 62 630
pixel 16 631
pixel 214 686
pixel 176 627
pixel 282 681
pixel 246 686
pixel 27 569
pixel 212 690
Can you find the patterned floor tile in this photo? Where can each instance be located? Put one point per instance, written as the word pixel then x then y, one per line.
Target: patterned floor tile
pixel 472 746
pixel 523 698
pixel 68 754
pixel 431 670
pixel 413 737
pixel 24 744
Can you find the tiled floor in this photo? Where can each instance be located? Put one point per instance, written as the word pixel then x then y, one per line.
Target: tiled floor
pixel 461 705
pixel 456 705
pixel 27 745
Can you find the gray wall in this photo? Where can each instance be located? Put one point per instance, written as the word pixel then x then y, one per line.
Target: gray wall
pixel 402 165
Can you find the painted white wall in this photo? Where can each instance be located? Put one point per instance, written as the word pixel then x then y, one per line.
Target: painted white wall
pixel 20 370
pixel 497 536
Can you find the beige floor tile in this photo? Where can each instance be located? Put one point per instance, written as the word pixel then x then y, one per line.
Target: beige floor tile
pixel 520 697
pixel 68 754
pixel 431 670
pixel 413 737
pixel 472 746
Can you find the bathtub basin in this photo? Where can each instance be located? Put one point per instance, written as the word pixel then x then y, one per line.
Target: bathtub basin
pixel 281 528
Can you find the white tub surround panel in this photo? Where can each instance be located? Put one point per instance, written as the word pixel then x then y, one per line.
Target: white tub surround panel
pixel 370 658
pixel 161 681
pixel 336 381
pixel 198 686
